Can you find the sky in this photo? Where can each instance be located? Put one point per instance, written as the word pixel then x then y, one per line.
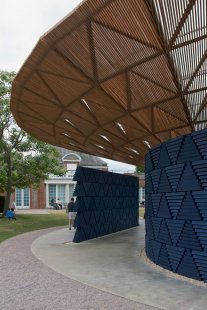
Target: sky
pixel 22 23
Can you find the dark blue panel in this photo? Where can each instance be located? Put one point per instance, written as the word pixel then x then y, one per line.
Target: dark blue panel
pixel 156 223
pixel 200 259
pixel 175 201
pixel 200 228
pixel 200 198
pixel 174 174
pixel 156 246
pixel 188 238
pixel 175 255
pixel 189 180
pixel 155 152
pixel 155 177
pixel 200 139
pixel 188 267
pixel 155 199
pixel 164 211
pixel 148 163
pixel 200 168
pixel 173 147
pixel 164 159
pixel 164 235
pixel 175 228
pixel 163 259
pixel 164 186
pixel 148 184
pixel 188 210
pixel 189 151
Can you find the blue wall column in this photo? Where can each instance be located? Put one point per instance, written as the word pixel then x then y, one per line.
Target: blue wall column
pixel 106 203
pixel 176 204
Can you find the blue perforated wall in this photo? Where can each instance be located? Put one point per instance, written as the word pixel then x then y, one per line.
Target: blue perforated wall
pixel 106 203
pixel 176 205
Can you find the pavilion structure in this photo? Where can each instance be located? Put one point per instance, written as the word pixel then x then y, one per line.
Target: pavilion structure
pixel 122 79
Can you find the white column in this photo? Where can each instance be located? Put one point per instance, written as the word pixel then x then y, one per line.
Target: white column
pixel 46 195
pixel 67 197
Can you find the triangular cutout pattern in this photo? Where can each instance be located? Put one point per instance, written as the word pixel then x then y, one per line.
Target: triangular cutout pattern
pixel 175 254
pixel 189 151
pixel 148 184
pixel 175 200
pixel 148 162
pixel 149 228
pixel 200 229
pixel 188 267
pixel 156 246
pixel 175 228
pixel 189 180
pixel 200 198
pixel 174 174
pixel 149 249
pixel 164 235
pixel 200 168
pixel 188 238
pixel 156 198
pixel 164 185
pixel 188 210
pixel 164 159
pixel 164 211
pixel 200 259
pixel 163 260
pixel 173 147
pixel 200 138
pixel 155 175
pixel 149 207
pixel 156 223
pixel 155 155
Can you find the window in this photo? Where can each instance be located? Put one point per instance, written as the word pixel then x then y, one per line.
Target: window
pixel 22 198
pixel 52 192
pixel 141 194
pixel 57 191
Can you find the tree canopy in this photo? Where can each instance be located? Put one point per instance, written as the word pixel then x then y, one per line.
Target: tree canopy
pixel 24 161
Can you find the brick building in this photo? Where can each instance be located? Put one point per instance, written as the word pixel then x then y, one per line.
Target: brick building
pixel 55 187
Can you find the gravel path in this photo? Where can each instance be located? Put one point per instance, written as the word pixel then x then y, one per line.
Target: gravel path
pixel 25 283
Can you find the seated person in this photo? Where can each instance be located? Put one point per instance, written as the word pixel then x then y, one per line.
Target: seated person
pixel 59 203
pixel 10 214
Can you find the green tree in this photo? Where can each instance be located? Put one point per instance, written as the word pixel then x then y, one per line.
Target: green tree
pixel 139 169
pixel 24 161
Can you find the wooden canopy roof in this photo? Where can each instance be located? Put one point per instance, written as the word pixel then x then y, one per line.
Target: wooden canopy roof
pixel 117 77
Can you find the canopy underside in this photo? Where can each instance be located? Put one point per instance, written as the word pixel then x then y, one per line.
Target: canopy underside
pixel 117 77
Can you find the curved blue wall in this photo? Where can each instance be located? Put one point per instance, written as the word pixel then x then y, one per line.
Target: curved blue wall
pixel 176 205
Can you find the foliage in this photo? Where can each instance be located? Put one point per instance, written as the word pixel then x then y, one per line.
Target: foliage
pixel 24 161
pixel 26 223
pixel 139 169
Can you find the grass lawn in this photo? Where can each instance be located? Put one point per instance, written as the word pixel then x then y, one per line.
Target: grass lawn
pixel 25 223
pixel 30 222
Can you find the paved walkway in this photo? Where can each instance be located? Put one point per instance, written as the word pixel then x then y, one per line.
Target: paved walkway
pixel 47 271
pixel 113 264
pixel 28 284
